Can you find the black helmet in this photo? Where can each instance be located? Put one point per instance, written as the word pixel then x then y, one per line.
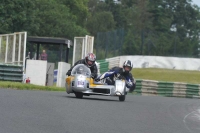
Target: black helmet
pixel 90 57
pixel 127 63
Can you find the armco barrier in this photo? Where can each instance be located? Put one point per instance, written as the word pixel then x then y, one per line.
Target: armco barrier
pixel 11 73
pixel 105 65
pixel 102 65
pixel 113 62
pixel 169 89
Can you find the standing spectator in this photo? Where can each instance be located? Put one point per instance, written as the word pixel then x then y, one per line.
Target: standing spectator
pixel 43 55
pixel 29 55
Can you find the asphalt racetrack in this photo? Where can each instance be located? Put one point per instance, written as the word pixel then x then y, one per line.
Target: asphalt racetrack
pixel 23 111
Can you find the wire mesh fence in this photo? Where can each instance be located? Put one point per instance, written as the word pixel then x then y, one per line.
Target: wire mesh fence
pixel 131 42
pixel 109 44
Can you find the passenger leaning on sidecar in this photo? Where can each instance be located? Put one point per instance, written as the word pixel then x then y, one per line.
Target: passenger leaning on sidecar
pixel 89 61
pixel 121 73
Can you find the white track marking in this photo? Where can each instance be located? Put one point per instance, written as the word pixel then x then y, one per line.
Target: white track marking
pixel 197 115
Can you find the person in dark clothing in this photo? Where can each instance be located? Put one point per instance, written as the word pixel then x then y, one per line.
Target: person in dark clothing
pixel 119 73
pixel 89 61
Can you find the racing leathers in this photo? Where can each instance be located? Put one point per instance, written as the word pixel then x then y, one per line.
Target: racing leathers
pixel 92 68
pixel 117 72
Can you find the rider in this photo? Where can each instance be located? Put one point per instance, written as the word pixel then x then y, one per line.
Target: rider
pixel 89 61
pixel 122 73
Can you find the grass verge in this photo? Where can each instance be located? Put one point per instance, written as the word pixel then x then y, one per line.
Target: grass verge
pixel 23 86
pixel 169 75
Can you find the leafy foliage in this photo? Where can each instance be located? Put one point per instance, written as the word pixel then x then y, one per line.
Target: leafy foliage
pixel 41 18
pixel 155 27
pixel 151 27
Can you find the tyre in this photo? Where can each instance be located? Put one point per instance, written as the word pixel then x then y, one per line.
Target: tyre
pixel 78 94
pixel 122 98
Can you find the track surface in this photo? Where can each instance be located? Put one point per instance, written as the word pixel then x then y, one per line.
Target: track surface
pixel 58 112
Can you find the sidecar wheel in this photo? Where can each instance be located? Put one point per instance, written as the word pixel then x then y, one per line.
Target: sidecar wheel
pixel 122 98
pixel 78 95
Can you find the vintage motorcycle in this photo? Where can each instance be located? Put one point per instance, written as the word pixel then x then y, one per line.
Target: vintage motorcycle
pixel 80 83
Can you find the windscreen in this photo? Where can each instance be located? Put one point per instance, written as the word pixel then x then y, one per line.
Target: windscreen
pixel 81 69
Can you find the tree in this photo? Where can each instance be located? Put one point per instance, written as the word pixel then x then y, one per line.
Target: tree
pixel 17 16
pixel 130 45
pixel 55 20
pixel 100 22
pixel 139 22
pixel 78 8
pixel 39 18
pixel 176 24
pixel 185 21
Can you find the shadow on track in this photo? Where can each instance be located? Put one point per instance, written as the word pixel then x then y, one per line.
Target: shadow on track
pixel 92 98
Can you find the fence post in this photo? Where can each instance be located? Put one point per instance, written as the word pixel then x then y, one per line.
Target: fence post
pixel 13 51
pixel 6 49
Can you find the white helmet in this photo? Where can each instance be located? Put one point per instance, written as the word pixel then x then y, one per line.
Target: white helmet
pixel 90 57
pixel 127 63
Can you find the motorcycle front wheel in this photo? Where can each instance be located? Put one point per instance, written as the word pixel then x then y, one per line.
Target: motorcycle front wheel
pixel 78 94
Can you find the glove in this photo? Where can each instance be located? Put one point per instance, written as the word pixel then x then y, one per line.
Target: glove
pixel 119 76
pixel 68 73
pixel 131 89
pixel 92 75
pixel 129 83
pixel 97 79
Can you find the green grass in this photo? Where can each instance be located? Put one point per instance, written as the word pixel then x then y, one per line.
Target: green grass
pixel 170 75
pixel 23 86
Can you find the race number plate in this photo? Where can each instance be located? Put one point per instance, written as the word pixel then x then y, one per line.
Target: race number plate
pixel 80 84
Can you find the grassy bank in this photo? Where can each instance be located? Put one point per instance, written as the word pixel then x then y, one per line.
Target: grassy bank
pixel 170 75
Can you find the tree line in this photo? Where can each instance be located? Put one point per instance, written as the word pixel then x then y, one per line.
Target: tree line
pixel 152 27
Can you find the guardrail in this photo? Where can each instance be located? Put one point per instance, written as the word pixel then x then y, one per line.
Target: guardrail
pixel 102 66
pixel 169 89
pixel 105 65
pixel 11 73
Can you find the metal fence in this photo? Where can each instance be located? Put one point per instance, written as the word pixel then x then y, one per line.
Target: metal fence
pixel 82 46
pixel 109 44
pixel 12 48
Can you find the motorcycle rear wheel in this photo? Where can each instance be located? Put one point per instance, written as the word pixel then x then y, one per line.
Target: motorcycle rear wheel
pixel 122 98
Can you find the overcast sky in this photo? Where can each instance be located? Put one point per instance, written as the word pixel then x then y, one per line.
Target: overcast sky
pixel 197 2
